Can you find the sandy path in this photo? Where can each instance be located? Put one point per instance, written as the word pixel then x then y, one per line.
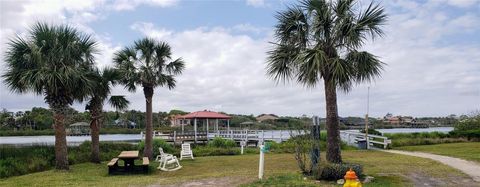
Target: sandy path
pixel 468 167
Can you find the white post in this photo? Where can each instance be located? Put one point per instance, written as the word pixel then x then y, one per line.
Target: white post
pixel 216 124
pixel 242 144
pixel 207 130
pixel 228 124
pixel 195 129
pixel 183 126
pixel 281 136
pixel 261 163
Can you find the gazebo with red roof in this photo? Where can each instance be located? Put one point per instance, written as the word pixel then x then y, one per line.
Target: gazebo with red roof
pixel 206 115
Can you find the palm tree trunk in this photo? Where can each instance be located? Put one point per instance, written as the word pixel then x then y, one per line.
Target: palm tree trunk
pixel 61 154
pixel 333 132
pixel 148 151
pixel 95 131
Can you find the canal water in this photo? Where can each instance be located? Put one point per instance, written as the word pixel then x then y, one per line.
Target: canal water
pixel 76 140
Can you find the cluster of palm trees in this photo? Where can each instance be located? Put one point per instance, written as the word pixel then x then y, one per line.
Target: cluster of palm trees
pixel 315 40
pixel 58 62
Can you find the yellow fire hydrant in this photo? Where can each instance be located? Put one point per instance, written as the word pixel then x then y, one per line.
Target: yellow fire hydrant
pixel 351 179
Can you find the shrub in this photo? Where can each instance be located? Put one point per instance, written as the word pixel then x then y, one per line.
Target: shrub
pixel 221 143
pixel 469 134
pixel 157 143
pixel 331 171
pixel 372 131
pixel 468 124
pixel 24 160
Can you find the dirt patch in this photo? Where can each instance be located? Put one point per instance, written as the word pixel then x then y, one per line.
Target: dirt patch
pixel 211 182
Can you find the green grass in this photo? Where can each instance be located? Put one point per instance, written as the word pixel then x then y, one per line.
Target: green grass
pixel 468 151
pixel 385 167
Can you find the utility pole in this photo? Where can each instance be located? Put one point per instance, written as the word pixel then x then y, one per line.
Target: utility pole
pixel 366 119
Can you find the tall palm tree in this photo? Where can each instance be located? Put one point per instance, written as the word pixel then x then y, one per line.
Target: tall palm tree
pixel 52 61
pixel 105 80
pixel 148 63
pixel 320 40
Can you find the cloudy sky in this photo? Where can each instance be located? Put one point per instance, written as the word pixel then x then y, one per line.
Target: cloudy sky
pixel 432 48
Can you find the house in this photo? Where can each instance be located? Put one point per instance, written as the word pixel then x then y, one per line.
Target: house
pixel 264 117
pixel 178 120
pixel 125 123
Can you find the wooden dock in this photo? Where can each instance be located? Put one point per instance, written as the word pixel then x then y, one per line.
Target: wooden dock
pixel 248 136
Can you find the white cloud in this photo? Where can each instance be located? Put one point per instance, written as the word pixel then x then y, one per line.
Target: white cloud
pixel 462 3
pixel 256 3
pixel 132 4
pixel 150 30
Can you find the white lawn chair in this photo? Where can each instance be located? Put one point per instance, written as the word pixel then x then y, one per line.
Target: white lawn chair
pixel 169 163
pixel 161 157
pixel 186 151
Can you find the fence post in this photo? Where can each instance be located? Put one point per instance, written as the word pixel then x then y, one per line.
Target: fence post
pixel 281 133
pixel 385 143
pixel 174 136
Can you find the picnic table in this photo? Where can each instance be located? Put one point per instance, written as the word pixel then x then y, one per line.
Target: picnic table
pixel 128 158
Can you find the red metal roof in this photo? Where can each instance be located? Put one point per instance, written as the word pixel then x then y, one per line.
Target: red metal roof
pixel 205 114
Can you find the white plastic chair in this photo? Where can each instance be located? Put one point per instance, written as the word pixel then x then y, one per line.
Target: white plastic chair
pixel 161 157
pixel 169 163
pixel 186 151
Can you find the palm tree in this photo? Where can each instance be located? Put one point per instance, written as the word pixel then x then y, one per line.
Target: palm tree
pixel 148 63
pixel 320 40
pixel 105 80
pixel 52 61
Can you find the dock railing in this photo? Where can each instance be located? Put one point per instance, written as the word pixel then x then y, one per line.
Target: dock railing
pixel 351 138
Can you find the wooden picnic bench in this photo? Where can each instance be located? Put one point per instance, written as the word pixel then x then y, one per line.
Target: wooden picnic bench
pixel 145 164
pixel 128 158
pixel 112 166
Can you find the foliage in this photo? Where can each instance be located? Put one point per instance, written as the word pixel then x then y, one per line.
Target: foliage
pixel 424 141
pixel 22 160
pixel 468 124
pixel 372 131
pixel 221 143
pixel 333 171
pixel 471 135
pixel 157 143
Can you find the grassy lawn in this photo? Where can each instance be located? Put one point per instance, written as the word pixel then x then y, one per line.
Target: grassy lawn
pixel 468 151
pixel 388 170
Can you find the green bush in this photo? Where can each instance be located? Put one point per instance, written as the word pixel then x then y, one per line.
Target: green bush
pixel 221 143
pixel 468 124
pixel 372 131
pixel 473 135
pixel 157 143
pixel 331 171
pixel 23 160
pixel 424 141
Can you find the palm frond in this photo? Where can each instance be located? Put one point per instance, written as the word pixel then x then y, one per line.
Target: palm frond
pixel 119 102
